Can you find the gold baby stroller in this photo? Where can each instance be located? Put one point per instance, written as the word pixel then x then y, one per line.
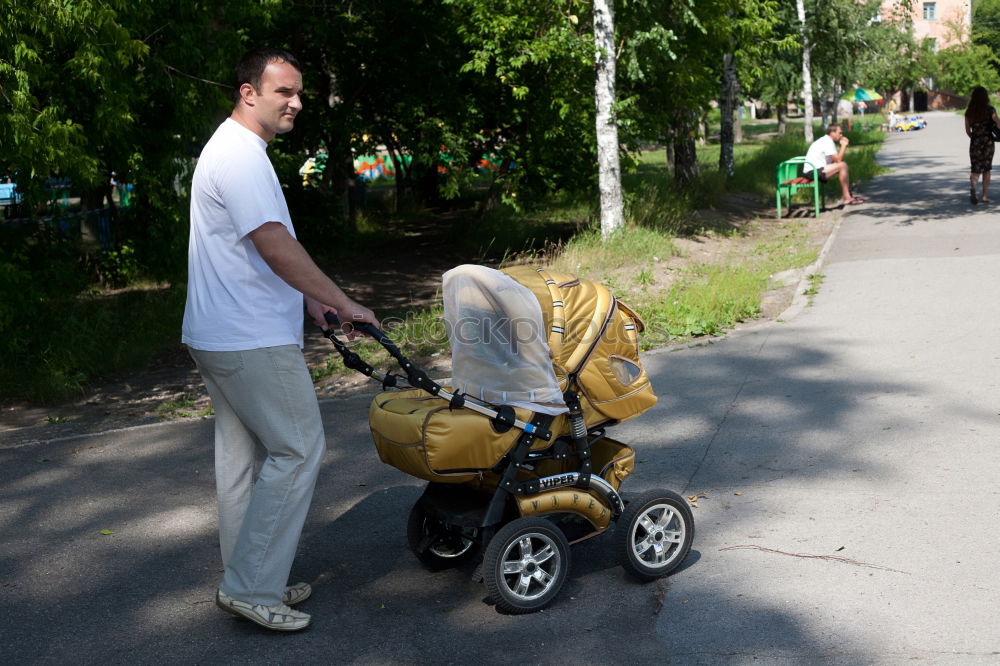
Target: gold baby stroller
pixel 514 451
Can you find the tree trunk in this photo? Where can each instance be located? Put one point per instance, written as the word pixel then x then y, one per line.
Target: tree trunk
pixel 685 154
pixel 834 106
pixel 782 112
pixel 397 167
pixel 608 165
pixel 345 189
pixel 497 188
pixel 806 76
pixel 727 102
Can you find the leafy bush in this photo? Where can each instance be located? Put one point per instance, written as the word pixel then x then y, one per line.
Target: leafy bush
pixel 86 337
pixel 37 263
pixel 119 267
pixel 56 331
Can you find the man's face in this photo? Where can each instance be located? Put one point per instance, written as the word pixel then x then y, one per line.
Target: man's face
pixel 836 134
pixel 278 100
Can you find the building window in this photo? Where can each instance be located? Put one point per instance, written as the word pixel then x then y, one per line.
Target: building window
pixel 930 11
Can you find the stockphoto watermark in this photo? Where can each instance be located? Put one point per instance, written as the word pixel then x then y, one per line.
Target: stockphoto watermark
pixel 497 330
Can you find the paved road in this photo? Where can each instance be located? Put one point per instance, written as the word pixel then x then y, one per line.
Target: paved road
pixel 845 460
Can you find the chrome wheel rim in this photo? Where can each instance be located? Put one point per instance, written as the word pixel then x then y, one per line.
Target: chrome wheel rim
pixel 657 535
pixel 530 565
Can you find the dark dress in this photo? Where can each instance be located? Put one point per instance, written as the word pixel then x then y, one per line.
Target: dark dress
pixel 981 144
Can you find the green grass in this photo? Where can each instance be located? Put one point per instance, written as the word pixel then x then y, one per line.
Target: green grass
pixel 702 299
pixel 815 280
pixel 506 232
pixel 91 336
pixel 790 249
pixel 705 302
pixel 586 255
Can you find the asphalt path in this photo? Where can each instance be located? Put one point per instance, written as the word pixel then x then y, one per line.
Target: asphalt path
pixel 842 460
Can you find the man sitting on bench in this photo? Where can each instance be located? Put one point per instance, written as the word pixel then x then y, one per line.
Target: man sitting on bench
pixel 825 159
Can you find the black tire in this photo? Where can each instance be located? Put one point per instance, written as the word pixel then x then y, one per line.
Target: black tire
pixel 654 534
pixel 525 565
pixel 436 545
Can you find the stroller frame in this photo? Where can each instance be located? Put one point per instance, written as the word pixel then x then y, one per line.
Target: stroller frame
pixel 522 526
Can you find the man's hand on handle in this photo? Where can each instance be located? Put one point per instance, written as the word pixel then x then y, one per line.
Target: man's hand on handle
pixel 349 312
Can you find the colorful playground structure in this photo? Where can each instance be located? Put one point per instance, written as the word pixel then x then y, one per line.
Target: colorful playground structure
pixel 370 168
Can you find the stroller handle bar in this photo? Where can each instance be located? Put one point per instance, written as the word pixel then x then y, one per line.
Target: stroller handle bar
pixel 503 417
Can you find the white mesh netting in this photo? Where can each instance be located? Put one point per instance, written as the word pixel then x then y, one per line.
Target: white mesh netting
pixel 499 348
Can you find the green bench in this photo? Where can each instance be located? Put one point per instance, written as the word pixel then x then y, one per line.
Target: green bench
pixel 788 182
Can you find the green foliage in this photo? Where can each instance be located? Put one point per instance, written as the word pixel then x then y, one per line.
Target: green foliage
pixel 986 24
pixel 962 67
pixel 159 234
pixel 85 338
pixel 535 61
pixel 118 268
pixel 62 76
pixel 37 264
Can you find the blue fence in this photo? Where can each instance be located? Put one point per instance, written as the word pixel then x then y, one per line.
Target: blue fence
pixel 97 221
pixel 9 194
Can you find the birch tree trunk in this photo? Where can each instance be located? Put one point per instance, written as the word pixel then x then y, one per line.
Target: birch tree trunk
pixel 608 166
pixel 726 108
pixel 806 77
pixel 835 107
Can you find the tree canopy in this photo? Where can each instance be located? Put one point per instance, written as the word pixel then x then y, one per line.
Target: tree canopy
pixel 94 87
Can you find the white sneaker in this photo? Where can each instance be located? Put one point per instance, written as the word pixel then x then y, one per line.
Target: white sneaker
pixel 296 593
pixel 279 617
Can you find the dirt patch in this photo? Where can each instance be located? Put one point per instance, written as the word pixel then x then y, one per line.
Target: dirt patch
pixel 406 276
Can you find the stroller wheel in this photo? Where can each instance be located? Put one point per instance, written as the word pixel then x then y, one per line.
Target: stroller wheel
pixel 654 534
pixel 525 565
pixel 436 545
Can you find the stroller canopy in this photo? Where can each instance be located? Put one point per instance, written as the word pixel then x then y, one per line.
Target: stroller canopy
pixel 499 346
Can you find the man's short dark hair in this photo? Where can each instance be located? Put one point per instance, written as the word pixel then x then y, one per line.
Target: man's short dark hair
pixel 831 127
pixel 251 67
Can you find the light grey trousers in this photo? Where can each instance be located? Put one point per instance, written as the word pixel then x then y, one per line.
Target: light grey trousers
pixel 264 402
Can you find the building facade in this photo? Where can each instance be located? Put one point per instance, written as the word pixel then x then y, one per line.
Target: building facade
pixel 947 22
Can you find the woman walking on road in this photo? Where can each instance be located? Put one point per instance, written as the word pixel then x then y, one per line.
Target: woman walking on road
pixel 980 118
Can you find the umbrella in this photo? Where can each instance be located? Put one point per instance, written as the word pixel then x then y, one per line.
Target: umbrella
pixel 861 95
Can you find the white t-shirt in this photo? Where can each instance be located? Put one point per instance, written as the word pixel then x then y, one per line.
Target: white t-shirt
pixel 819 153
pixel 234 300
